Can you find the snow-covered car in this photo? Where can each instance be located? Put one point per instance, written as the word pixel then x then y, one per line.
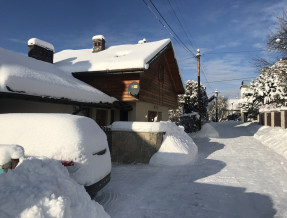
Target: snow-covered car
pixel 77 141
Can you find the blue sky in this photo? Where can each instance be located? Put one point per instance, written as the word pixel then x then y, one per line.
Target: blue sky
pixel 222 29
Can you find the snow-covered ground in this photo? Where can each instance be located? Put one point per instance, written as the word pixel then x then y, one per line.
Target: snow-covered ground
pixel 238 173
pixel 235 175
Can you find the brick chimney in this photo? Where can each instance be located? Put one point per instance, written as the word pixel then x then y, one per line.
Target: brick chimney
pixel 99 43
pixel 40 50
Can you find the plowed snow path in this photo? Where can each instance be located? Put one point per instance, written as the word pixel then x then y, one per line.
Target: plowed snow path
pixel 234 176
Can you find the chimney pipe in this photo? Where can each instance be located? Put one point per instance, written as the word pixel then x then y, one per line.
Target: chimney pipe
pixel 40 50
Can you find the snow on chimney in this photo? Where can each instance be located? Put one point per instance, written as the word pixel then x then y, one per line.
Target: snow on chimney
pixel 142 41
pixel 99 43
pixel 40 50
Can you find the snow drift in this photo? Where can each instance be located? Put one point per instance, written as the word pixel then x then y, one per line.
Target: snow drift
pixel 177 147
pixel 207 130
pixel 43 188
pixel 8 152
pixel 273 137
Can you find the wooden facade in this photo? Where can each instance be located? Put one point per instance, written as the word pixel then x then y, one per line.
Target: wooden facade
pixel 159 85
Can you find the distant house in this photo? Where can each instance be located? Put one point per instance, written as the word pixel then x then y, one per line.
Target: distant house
pixel 232 108
pixel 244 93
pixel 145 76
pixel 28 85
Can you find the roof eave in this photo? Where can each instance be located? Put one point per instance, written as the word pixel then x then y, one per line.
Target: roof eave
pixel 49 99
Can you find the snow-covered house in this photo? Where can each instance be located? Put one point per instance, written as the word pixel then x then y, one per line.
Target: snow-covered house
pixel 29 85
pixel 244 93
pixel 232 108
pixel 145 75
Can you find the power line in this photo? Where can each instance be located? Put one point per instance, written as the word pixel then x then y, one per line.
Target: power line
pixel 225 52
pixel 232 79
pixel 203 70
pixel 231 52
pixel 174 35
pixel 180 23
pixel 181 14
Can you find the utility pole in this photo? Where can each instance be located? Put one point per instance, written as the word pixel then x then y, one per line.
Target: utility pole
pixel 216 105
pixel 198 88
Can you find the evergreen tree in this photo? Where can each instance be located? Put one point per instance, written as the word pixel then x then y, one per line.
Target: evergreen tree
pixel 187 113
pixel 222 107
pixel 268 90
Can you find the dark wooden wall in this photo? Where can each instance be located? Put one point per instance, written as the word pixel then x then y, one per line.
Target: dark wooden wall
pixel 161 89
pixel 115 85
pixel 158 89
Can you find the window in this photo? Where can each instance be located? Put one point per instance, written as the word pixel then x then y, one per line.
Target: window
pixel 154 116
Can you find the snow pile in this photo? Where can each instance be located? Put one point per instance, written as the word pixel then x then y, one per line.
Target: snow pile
pixel 207 130
pixel 273 137
pixel 142 41
pixel 8 152
pixel 177 147
pixel 61 137
pixel 43 188
pixel 41 43
pixel 138 56
pixel 25 75
pixel 98 37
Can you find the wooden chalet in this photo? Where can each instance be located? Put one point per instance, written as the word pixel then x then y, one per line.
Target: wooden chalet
pixel 145 76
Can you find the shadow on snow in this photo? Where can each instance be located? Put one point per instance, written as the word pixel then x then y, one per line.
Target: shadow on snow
pixel 154 191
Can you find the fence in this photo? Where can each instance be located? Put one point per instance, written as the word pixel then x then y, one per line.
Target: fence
pixel 274 119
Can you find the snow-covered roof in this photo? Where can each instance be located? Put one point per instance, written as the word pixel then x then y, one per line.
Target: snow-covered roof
pixel 121 57
pixel 25 75
pixel 232 104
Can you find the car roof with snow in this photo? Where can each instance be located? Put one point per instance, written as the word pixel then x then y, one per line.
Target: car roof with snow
pixel 27 76
pixel 62 137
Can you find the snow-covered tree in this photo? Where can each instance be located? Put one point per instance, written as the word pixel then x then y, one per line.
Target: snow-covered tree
pixel 269 89
pixel 222 107
pixel 187 113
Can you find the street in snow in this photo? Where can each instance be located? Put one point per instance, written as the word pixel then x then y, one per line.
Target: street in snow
pixel 235 175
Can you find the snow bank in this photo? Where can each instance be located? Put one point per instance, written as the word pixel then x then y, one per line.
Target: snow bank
pixel 25 75
pixel 8 152
pixel 62 137
pixel 177 147
pixel 43 188
pixel 273 137
pixel 207 130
